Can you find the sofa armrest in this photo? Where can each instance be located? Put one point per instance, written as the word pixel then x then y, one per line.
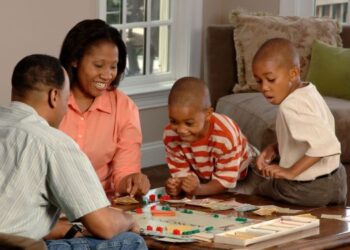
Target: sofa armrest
pixel 345 35
pixel 220 70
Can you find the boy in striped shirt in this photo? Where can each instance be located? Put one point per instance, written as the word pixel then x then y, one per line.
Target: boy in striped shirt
pixel 206 152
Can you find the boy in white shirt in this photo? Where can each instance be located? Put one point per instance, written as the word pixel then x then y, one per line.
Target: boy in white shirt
pixel 309 172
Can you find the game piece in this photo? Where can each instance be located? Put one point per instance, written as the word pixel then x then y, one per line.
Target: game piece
pixel 159 195
pixel 125 200
pixel 176 232
pixel 152 198
pixel 149 228
pixel 215 215
pixel 241 219
pixel 138 210
pixel 166 208
pixel 209 228
pixel 159 229
pixel 153 207
pixel 163 213
pixel 144 201
pixel 165 197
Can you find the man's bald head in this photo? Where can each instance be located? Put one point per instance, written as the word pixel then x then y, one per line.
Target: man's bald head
pixel 281 50
pixel 189 91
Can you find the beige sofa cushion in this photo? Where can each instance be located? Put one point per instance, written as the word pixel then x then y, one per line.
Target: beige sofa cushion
pixel 252 31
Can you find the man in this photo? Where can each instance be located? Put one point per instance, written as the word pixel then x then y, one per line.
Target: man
pixel 43 171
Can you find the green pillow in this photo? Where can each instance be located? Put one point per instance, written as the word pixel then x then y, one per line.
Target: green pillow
pixel 329 70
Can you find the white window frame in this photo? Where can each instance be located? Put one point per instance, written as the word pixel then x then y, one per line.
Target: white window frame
pixel 151 91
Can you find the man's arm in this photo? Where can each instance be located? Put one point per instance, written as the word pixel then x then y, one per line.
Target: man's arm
pixel 107 222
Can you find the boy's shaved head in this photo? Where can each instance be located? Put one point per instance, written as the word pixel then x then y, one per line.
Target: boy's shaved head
pixel 189 91
pixel 279 49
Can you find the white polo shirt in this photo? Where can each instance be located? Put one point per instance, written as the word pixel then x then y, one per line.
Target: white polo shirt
pixel 305 126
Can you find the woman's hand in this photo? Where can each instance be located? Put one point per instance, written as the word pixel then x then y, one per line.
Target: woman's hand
pixel 137 184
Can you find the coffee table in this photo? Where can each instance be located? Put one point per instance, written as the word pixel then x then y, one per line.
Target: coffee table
pixel 331 233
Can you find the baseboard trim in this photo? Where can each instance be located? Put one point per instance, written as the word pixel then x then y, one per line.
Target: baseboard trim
pixel 153 153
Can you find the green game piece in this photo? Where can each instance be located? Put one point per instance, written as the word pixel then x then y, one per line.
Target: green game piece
pixel 209 228
pixel 186 233
pixel 216 216
pixel 241 219
pixel 184 211
pixel 189 212
pixel 144 201
pixel 195 231
pixel 159 195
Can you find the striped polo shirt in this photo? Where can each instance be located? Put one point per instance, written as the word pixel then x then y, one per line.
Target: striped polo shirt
pixel 222 154
pixel 42 172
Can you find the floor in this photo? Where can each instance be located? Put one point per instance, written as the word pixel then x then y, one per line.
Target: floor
pixel 157 175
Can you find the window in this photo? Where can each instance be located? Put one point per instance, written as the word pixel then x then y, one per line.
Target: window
pixel 158 36
pixel 335 9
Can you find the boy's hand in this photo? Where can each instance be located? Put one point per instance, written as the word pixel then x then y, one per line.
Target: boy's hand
pixel 266 157
pixel 173 186
pixel 190 184
pixel 275 171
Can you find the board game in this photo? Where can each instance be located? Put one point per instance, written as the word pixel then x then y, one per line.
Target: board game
pixel 161 221
pixel 267 230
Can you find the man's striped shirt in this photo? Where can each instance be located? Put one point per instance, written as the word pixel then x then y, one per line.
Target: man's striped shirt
pixel 42 171
pixel 223 154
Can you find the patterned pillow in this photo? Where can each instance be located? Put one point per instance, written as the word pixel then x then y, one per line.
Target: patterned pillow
pixel 251 31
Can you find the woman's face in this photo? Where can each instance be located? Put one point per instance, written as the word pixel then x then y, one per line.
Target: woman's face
pixel 97 69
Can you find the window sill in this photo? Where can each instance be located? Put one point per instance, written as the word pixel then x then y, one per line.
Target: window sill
pixel 148 96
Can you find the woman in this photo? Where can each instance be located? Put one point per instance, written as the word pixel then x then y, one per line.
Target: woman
pixel 100 118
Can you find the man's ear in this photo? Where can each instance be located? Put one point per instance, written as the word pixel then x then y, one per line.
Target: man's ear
pixel 53 97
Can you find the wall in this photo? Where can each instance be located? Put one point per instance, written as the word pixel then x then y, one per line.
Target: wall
pixel 35 26
pixel 39 26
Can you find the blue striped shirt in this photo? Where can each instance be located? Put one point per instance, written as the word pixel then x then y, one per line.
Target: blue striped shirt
pixel 42 172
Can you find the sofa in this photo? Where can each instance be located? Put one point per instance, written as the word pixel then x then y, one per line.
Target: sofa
pixel 254 115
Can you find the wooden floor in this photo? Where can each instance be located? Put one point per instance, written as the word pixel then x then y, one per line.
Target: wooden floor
pixel 157 175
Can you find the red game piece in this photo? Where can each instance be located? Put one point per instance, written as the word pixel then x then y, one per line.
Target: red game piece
pixel 154 207
pixel 165 197
pixel 159 229
pixel 176 232
pixel 152 198
pixel 149 228
pixel 138 210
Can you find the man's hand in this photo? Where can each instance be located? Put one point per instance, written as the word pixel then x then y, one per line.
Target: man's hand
pixel 190 184
pixel 137 184
pixel 173 186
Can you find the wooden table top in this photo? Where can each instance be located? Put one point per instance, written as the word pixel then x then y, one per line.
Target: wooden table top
pixel 332 233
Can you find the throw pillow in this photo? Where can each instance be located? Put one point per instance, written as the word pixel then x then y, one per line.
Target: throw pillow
pixel 250 32
pixel 329 70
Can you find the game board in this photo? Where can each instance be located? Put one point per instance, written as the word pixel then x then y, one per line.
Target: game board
pixel 184 223
pixel 267 230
